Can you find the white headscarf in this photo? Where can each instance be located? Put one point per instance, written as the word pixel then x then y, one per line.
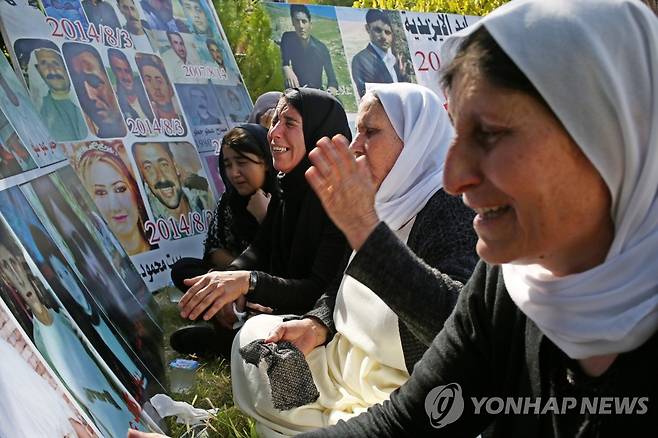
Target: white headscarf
pixel 421 121
pixel 595 62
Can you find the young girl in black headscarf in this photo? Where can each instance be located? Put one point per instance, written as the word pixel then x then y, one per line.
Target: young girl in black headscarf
pixel 245 166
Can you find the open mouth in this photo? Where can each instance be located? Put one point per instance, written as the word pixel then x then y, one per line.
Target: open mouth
pixel 168 192
pixel 491 213
pixel 279 149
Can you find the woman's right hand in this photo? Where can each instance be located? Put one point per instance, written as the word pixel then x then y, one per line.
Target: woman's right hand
pixel 345 187
pixel 305 334
pixel 258 203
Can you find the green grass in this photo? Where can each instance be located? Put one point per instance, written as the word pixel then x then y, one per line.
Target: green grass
pixel 212 387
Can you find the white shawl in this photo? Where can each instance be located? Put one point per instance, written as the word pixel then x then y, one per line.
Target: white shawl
pixel 595 62
pixel 422 123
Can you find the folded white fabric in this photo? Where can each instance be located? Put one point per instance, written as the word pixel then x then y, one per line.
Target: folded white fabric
pixel 185 413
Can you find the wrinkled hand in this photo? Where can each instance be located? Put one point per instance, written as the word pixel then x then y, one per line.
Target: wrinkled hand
pixel 257 309
pixel 290 77
pixel 257 205
pixel 305 334
pixel 210 292
pixel 345 188
pixel 332 90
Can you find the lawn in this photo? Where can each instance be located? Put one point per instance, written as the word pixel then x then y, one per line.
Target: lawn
pixel 212 388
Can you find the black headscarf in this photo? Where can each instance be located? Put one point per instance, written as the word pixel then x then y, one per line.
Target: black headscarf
pixel 265 102
pixel 322 116
pixel 238 232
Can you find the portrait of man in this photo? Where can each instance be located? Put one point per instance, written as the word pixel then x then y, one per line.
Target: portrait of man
pixel 159 15
pixel 158 88
pixel 233 105
pixel 101 12
pixel 202 114
pixel 61 115
pixel 71 9
pixel 14 153
pixel 135 25
pixel 216 53
pixel 94 90
pixel 130 92
pixel 167 193
pixel 10 163
pixel 196 14
pixel 21 113
pixel 303 56
pixel 376 63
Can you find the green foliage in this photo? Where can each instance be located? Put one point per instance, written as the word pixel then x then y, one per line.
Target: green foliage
pixel 247 27
pixel 347 3
pixel 466 7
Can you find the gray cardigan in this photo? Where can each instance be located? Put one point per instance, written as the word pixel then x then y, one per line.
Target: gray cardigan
pixel 443 238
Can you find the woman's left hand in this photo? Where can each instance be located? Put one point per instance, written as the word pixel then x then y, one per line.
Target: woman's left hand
pixel 210 292
pixel 258 203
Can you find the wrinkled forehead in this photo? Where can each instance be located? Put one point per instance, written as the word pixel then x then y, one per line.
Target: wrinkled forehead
pixel 370 110
pixel 48 55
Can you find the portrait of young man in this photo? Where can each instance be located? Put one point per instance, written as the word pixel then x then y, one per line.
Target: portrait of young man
pixel 130 92
pixel 376 63
pixel 159 89
pixel 303 56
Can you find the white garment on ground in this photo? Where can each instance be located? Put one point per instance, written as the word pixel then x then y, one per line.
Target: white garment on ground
pixel 358 368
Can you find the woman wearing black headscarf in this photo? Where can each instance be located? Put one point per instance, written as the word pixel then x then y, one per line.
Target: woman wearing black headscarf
pixel 298 251
pixel 245 166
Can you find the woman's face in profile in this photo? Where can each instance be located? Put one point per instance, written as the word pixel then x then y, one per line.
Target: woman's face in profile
pixel 376 139
pixel 245 171
pixel 537 197
pixel 286 137
pixel 114 197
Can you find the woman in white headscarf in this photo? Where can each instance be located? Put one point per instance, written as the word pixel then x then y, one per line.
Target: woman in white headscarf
pixel 360 346
pixel 555 108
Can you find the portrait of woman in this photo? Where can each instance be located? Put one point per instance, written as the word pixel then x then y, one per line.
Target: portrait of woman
pixel 116 194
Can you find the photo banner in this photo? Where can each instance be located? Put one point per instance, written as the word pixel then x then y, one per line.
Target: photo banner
pixel 32 400
pixel 347 50
pixel 138 95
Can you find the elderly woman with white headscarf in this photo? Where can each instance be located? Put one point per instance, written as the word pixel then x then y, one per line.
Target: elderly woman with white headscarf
pixel 360 346
pixel 555 106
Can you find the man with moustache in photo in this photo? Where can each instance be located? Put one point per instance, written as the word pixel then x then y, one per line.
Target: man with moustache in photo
pixel 62 117
pixel 135 25
pixel 167 196
pixel 94 91
pixel 130 93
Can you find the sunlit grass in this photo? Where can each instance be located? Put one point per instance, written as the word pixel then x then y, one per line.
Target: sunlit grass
pixel 212 388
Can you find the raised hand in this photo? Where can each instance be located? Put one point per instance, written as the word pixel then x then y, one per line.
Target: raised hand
pixel 345 188
pixel 257 205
